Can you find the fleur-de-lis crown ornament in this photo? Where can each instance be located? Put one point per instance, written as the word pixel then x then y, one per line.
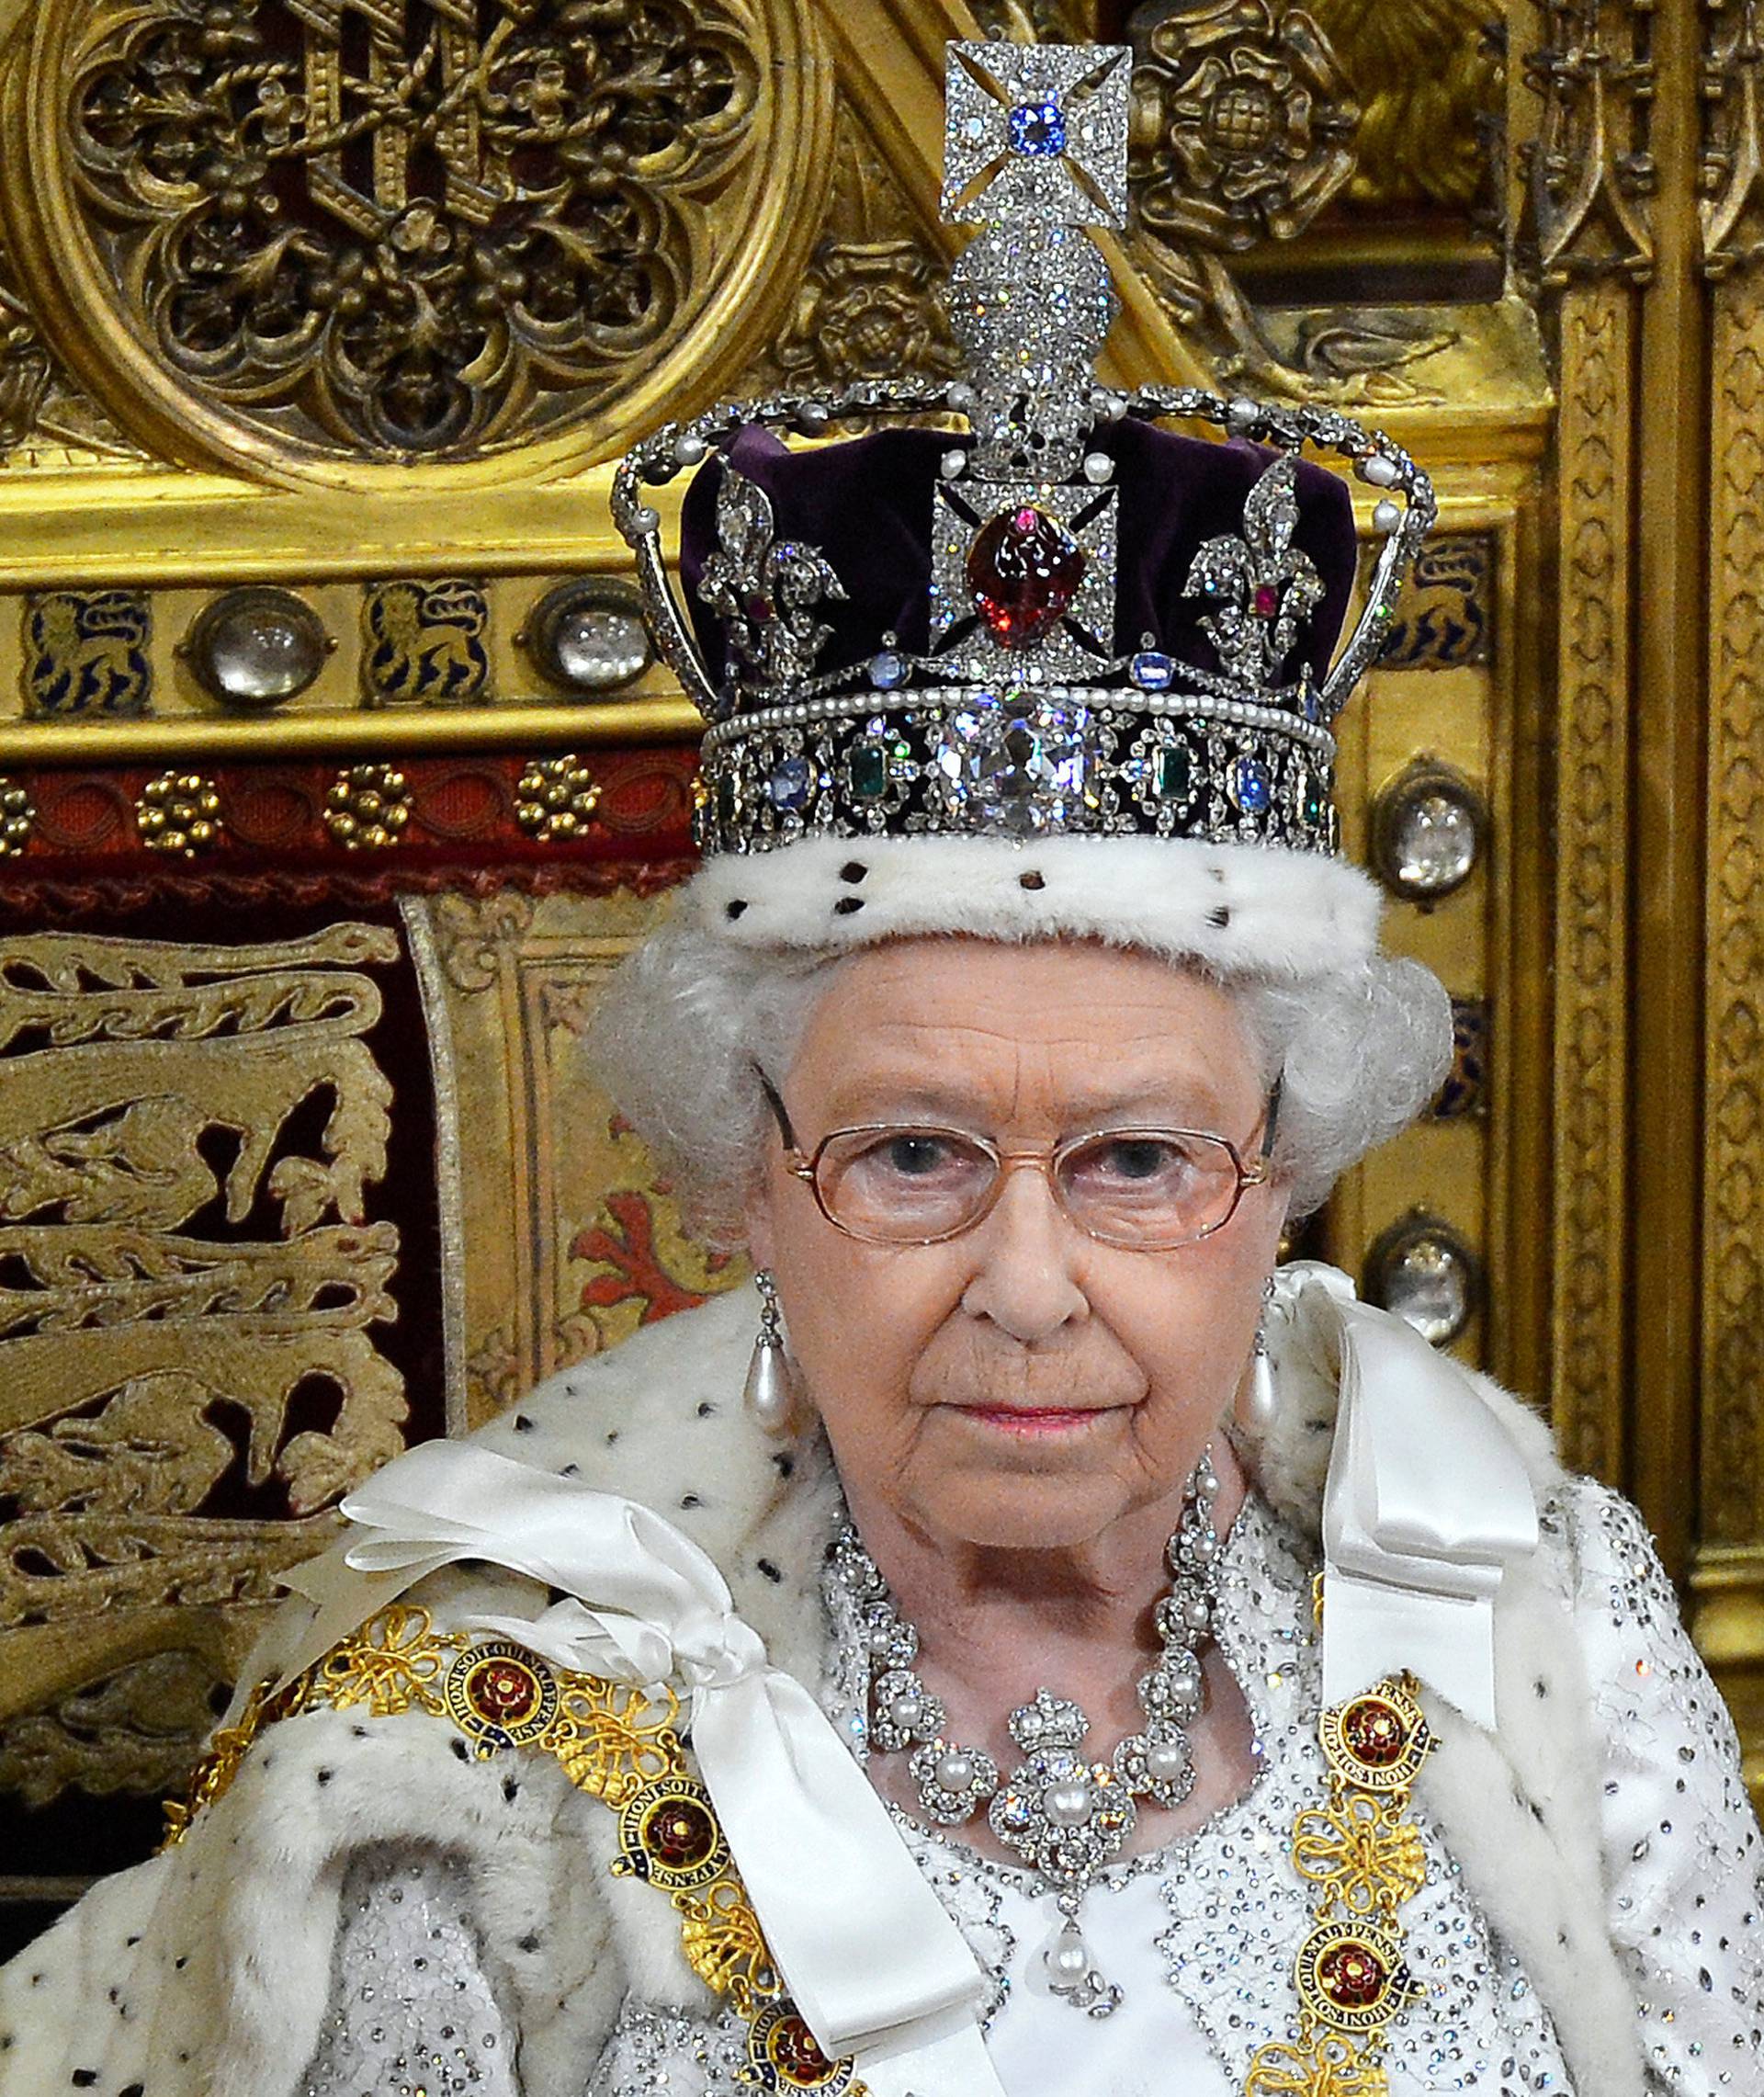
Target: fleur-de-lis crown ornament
pixel 1071 621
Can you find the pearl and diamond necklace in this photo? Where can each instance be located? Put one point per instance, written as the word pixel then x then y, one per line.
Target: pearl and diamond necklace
pixel 1066 1816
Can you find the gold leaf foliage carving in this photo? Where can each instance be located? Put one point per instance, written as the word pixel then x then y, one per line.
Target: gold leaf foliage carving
pixel 308 238
pixel 188 1134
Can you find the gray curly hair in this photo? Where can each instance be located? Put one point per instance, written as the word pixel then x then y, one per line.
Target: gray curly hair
pixel 686 1017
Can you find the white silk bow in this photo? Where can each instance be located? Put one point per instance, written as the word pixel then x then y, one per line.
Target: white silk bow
pixel 1428 1503
pixel 871 1959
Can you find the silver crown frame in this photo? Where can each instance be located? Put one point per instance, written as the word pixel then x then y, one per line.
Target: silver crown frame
pixel 1021 718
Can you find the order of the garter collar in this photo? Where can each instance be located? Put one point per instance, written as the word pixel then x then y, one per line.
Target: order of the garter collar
pixel 1024 716
pixel 1067 1817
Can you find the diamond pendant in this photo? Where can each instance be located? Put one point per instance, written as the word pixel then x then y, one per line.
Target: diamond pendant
pixel 1068 1817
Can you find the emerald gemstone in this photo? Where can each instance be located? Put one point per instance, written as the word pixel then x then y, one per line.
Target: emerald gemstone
pixel 869 771
pixel 1316 803
pixel 1172 771
pixel 726 799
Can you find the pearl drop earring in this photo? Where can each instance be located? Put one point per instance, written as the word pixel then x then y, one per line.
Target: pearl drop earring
pixel 1259 1400
pixel 767 1396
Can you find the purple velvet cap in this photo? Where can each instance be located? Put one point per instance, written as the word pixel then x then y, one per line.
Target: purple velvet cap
pixel 867 506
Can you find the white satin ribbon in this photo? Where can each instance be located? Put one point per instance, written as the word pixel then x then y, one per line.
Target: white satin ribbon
pixel 872 1961
pixel 1428 1503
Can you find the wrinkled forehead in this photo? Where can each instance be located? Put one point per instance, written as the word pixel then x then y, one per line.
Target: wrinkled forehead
pixel 1046 1030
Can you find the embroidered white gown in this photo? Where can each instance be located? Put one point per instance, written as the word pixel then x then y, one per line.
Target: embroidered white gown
pixel 1200 1936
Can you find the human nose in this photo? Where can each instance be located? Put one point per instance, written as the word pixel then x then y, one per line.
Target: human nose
pixel 1026 1278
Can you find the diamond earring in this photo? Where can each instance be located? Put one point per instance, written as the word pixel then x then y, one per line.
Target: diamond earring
pixel 767 1396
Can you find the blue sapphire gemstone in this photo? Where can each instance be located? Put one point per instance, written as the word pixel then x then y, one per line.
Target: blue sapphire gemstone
pixel 1038 129
pixel 789 786
pixel 1152 672
pixel 1249 787
pixel 887 671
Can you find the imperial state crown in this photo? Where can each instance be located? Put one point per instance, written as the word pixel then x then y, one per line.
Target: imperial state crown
pixel 1062 619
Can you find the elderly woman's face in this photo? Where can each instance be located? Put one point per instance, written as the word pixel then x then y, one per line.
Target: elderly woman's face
pixel 1020 1385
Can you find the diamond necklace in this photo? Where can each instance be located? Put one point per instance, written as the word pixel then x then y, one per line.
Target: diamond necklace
pixel 1067 1817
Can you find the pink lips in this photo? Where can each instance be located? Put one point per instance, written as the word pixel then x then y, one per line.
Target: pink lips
pixel 1032 1420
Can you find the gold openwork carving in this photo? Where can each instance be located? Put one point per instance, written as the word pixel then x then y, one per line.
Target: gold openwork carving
pixel 312 233
pixel 144 1086
pixel 1592 171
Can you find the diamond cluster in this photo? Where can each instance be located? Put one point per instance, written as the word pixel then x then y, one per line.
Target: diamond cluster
pixel 1022 761
pixel 1038 133
pixel 1067 1814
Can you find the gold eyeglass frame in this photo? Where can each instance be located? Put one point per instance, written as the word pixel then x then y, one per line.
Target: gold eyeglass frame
pixel 806 1166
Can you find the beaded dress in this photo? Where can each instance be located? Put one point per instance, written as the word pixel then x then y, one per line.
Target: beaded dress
pixel 1200 1935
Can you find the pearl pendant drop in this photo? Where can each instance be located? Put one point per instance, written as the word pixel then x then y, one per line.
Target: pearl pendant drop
pixel 766 1394
pixel 1068 1959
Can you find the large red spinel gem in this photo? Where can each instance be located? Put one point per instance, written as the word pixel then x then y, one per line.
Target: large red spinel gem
pixel 502 1691
pixel 1353 1976
pixel 680 1835
pixel 796 2055
pixel 1025 569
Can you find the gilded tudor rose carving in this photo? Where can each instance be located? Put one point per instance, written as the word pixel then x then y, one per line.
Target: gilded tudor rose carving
pixel 407 229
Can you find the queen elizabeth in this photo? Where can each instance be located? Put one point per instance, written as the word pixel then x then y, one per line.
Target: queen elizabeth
pixel 1032 1643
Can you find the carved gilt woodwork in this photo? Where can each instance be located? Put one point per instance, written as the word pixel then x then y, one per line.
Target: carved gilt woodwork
pixel 1728 1573
pixel 304 237
pixel 1426 76
pixel 148 1366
